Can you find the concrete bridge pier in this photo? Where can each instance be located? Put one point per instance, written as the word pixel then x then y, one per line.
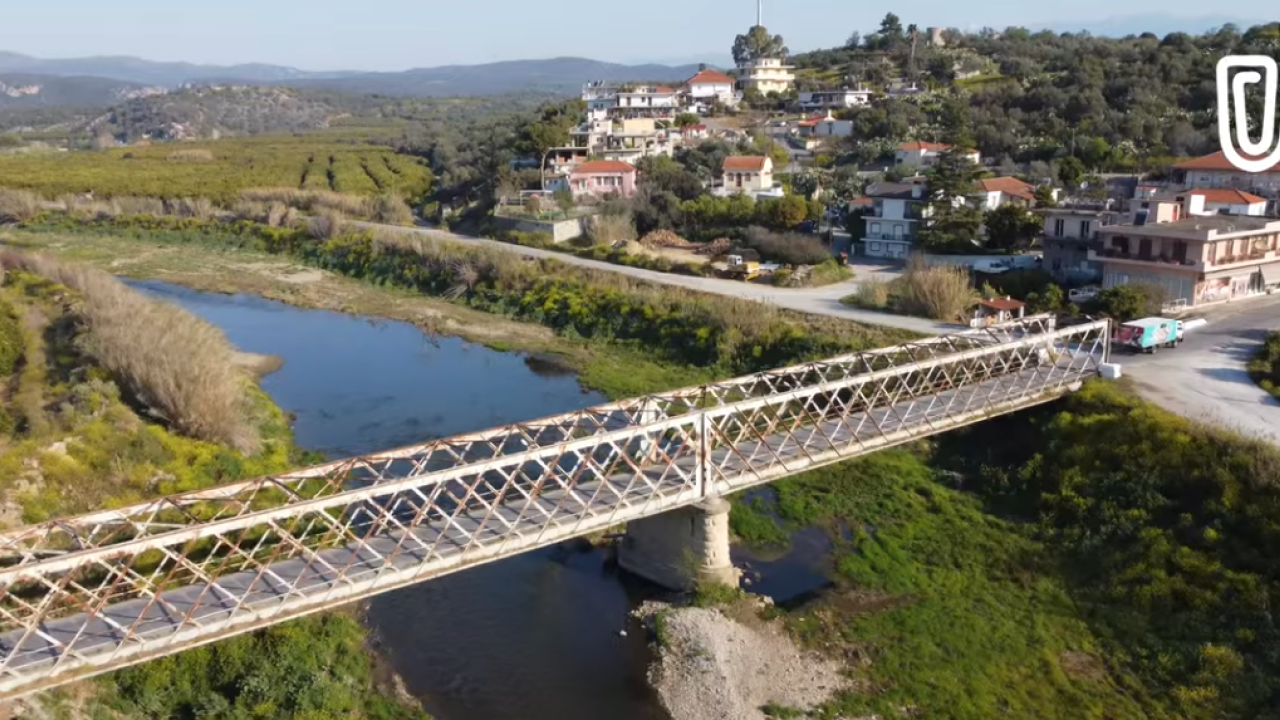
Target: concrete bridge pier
pixel 681 548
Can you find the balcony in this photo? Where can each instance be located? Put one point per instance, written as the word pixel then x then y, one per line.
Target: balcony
pixel 1114 254
pixel 1228 261
pixel 886 236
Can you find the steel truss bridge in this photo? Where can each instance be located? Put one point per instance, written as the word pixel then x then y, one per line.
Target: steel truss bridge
pixel 83 595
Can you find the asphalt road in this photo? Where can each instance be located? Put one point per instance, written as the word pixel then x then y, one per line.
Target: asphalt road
pixel 1205 378
pixel 820 301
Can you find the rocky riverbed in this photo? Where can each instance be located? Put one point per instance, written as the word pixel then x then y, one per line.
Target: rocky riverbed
pixel 716 663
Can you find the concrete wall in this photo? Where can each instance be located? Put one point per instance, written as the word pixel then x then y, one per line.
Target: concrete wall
pixel 559 231
pixel 681 548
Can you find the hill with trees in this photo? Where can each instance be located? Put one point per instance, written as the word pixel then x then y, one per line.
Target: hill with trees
pixel 1115 104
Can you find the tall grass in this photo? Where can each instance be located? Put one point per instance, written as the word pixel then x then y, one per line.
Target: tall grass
pixel 941 292
pixel 175 365
pixel 611 230
pixel 788 248
pixel 18 206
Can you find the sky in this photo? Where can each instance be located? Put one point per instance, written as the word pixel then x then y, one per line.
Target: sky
pixel 397 34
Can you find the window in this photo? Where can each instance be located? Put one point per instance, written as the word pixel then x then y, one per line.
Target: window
pixel 1059 227
pixel 1086 227
pixel 875 228
pixel 1180 251
pixel 1144 248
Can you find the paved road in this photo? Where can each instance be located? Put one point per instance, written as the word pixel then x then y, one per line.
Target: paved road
pixel 820 301
pixel 1205 378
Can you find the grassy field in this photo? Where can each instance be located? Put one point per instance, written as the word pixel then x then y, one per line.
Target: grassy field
pixel 219 170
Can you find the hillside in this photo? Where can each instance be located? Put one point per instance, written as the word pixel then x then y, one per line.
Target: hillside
pixel 21 90
pixel 210 112
pixel 1116 104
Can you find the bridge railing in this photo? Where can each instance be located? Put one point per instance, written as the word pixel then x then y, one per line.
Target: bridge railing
pixel 377 522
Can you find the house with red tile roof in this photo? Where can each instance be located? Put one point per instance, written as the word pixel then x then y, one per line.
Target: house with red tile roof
pixel 997 191
pixel 919 153
pixel 1230 201
pixel 748 174
pixel 1215 171
pixel 709 87
pixel 603 177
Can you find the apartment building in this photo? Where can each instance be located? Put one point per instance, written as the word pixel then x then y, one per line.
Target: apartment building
pixel 766 75
pixel 1196 258
pixel 893 218
pixel 1069 234
pixel 1215 171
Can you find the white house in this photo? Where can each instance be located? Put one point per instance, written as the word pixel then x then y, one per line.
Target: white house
pixel 1215 171
pixel 891 222
pixel 618 102
pixel 994 192
pixel 820 127
pixel 765 75
pixel 1229 201
pixel 709 87
pixel 834 99
pixel 919 153
pixel 749 174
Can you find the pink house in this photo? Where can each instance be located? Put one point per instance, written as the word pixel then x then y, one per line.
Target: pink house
pixel 601 177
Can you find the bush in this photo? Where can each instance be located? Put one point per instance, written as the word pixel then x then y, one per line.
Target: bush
pixel 873 293
pixel 787 248
pixel 1265 366
pixel 941 292
pixel 173 364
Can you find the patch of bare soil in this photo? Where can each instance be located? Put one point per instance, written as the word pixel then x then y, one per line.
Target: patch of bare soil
pixel 711 666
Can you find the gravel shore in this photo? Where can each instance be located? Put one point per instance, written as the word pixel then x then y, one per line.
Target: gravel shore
pixel 712 667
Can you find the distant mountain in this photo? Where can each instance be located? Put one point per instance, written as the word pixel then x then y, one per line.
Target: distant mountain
pixel 147 72
pixel 1156 24
pixel 21 90
pixel 554 75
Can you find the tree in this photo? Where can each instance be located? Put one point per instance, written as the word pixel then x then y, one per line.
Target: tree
pixel 854 41
pixel 1044 197
pixel 952 221
pixel 1070 172
pixel 891 30
pixel 782 213
pixel 684 120
pixel 564 200
pixel 1011 227
pixel 757 43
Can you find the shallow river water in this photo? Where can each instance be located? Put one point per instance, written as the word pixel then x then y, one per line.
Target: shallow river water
pixel 533 637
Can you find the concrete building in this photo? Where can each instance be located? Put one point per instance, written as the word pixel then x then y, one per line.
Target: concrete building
pixel 891 223
pixel 834 99
pixel 709 87
pixel 602 177
pixel 607 101
pixel 749 174
pixel 1069 234
pixel 766 75
pixel 919 153
pixel 1196 259
pixel 1215 171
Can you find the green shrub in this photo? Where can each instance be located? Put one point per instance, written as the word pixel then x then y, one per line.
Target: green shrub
pixel 11 344
pixel 1265 366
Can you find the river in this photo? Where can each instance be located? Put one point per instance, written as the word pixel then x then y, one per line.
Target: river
pixel 534 637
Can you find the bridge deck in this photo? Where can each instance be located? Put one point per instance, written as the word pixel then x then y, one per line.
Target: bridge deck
pixel 438 546
pixel 116 587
